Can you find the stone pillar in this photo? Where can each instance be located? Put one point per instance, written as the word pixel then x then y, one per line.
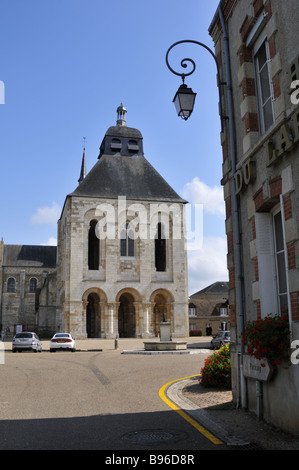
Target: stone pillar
pixel 147 309
pixel 165 334
pixel 138 319
pixel 103 317
pixel 111 328
pixel 22 316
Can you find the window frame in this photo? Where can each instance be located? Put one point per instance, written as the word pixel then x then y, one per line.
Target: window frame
pixel 31 289
pixel 266 242
pixel 261 105
pixel 93 247
pixel 282 252
pixel 160 248
pixel 9 288
pixel 127 243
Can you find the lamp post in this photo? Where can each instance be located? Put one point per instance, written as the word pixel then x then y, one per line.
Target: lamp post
pixel 184 98
pixel 185 113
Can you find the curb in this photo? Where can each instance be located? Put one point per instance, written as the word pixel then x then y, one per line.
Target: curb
pixel 174 393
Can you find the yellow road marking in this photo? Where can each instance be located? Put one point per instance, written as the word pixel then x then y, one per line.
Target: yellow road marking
pixel 184 415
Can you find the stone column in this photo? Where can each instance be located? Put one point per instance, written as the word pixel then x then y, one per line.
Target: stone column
pixel 138 326
pixel 147 309
pixel 111 329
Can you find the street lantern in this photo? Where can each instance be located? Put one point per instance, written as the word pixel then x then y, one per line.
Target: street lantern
pixel 185 98
pixel 184 101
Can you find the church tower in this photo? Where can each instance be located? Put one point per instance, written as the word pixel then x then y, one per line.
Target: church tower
pixel 121 246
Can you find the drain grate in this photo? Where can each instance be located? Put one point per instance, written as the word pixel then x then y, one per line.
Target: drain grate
pixel 150 436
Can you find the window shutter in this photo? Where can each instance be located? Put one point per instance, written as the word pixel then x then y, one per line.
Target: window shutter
pixel 266 263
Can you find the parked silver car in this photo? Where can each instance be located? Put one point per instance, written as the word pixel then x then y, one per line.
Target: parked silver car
pixel 220 339
pixel 25 341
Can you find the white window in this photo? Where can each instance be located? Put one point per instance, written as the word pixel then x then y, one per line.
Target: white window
pixel 192 310
pixel 264 87
pixel 223 311
pixel 272 264
pixel 280 258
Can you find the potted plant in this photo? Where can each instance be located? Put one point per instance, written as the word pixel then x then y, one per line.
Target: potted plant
pixel 268 338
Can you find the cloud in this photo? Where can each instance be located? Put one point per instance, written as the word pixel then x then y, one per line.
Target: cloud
pixel 46 215
pixel 208 264
pixel 52 241
pixel 198 192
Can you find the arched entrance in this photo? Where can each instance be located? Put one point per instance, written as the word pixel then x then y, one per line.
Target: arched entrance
pixel 93 316
pixel 126 316
pixel 159 312
pixel 162 309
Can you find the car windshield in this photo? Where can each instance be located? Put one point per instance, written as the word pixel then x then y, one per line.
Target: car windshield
pixel 23 335
pixel 62 335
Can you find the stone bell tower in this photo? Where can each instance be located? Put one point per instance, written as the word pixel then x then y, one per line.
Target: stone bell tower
pixel 121 246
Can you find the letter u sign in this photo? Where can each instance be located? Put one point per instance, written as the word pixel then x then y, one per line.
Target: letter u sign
pixel 245 175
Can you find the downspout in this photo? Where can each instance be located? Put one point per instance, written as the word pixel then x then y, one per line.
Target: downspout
pixel 236 204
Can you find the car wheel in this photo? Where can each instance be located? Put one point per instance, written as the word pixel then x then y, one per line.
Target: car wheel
pixel 14 350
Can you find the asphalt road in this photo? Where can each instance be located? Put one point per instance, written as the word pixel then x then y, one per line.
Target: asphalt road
pixel 95 401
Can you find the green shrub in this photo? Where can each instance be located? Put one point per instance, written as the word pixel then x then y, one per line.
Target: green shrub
pixel 217 369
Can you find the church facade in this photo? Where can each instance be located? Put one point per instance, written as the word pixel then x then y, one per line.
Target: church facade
pixel 120 266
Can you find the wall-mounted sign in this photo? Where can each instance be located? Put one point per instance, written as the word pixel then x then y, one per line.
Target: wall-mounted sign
pixel 245 175
pixel 284 140
pixel 256 369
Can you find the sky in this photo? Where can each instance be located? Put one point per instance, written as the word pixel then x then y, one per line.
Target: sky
pixel 66 65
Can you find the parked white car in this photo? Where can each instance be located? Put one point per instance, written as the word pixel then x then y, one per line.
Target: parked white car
pixel 63 341
pixel 26 341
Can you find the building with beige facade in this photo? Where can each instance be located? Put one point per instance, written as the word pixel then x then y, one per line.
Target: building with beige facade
pixel 121 252
pixel 256 45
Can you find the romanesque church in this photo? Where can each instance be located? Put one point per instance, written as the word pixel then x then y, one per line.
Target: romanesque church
pixel 120 265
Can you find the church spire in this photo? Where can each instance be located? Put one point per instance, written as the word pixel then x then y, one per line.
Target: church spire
pixel 83 168
pixel 121 115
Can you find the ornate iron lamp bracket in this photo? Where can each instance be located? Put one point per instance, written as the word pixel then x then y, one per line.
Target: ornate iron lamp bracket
pixel 186 61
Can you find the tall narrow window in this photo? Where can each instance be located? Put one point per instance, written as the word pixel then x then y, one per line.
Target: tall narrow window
pixel 11 284
pixel 263 81
pixel 271 253
pixel 33 284
pixel 93 247
pixel 280 261
pixel 127 241
pixel 160 249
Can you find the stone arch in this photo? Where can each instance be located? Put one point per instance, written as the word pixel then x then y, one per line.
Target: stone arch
pixel 162 301
pixel 95 290
pixel 129 290
pixel 93 300
pixel 128 312
pixel 126 316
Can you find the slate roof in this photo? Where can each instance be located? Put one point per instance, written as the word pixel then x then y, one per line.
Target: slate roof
pixel 29 255
pixel 122 170
pixel 219 287
pixel 133 177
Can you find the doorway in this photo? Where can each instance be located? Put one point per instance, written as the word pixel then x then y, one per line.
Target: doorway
pixel 93 316
pixel 126 316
